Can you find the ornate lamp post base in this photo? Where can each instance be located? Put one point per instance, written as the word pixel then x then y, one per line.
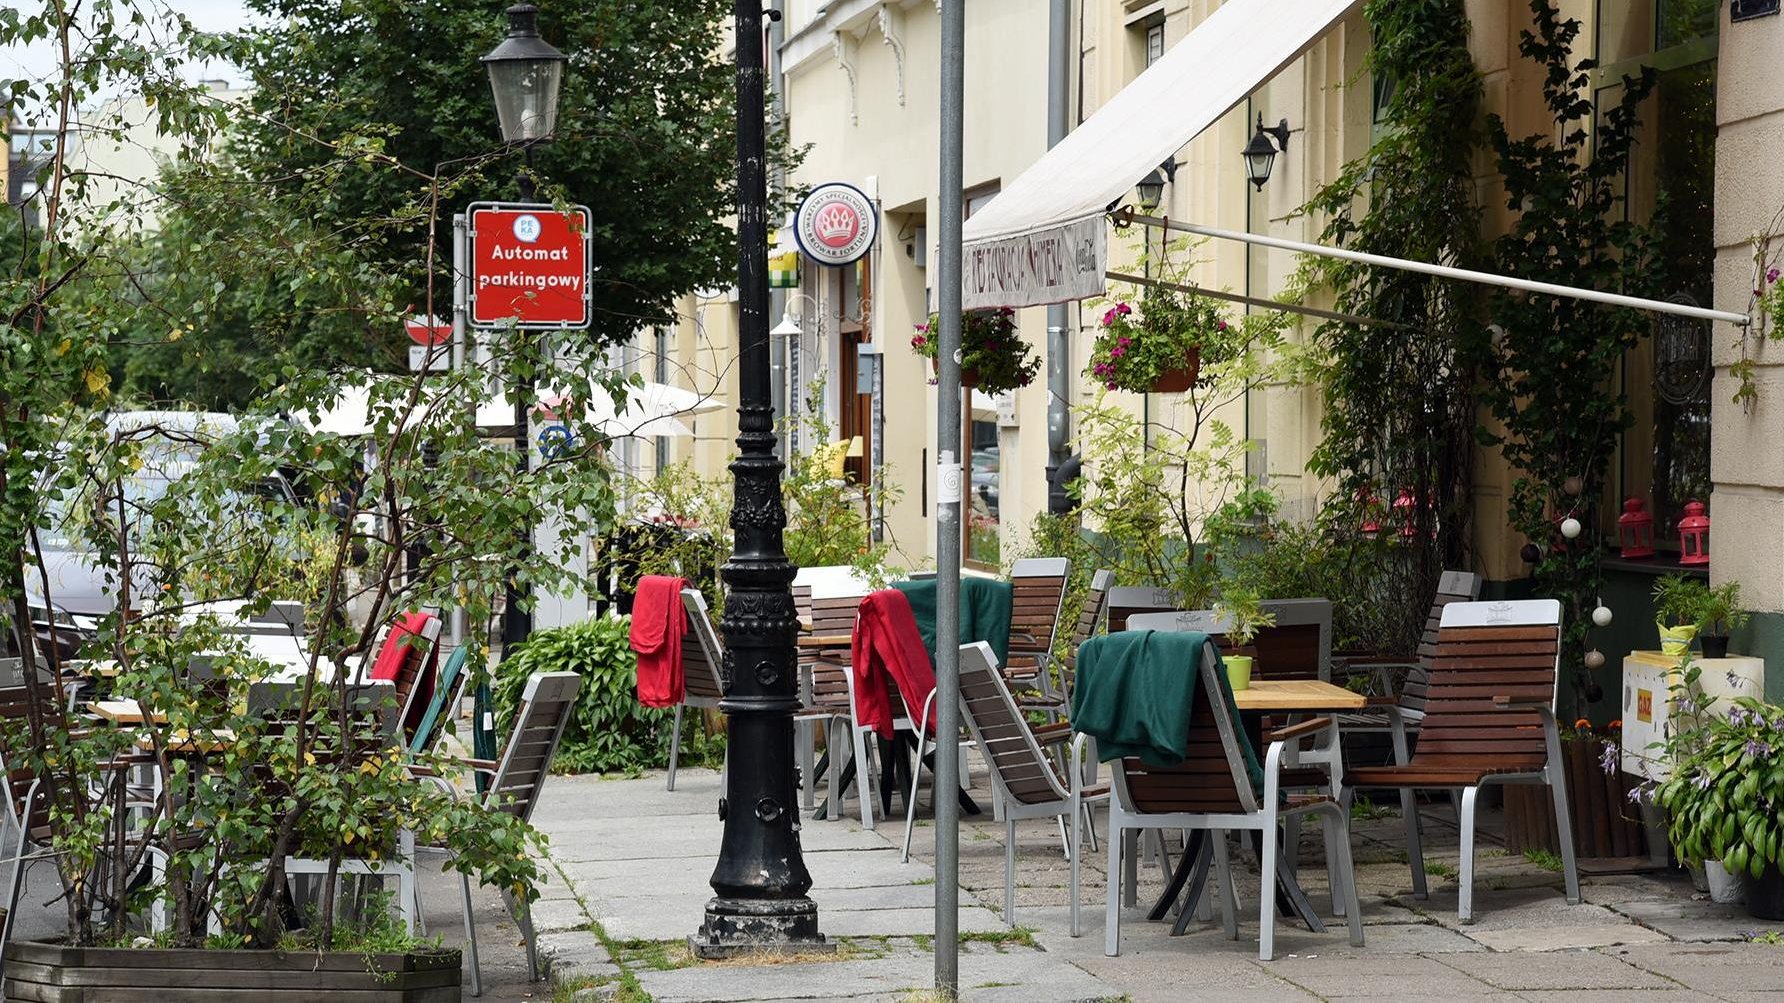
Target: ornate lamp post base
pixel 759 926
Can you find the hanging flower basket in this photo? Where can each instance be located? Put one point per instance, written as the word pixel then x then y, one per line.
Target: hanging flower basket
pixel 1158 348
pixel 993 357
pixel 969 378
pixel 1179 380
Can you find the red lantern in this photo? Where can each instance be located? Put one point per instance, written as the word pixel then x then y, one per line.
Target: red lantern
pixel 1371 512
pixel 1694 535
pixel 1635 530
pixel 1404 512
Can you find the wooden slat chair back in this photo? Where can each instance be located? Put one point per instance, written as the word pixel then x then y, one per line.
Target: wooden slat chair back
pixel 1090 620
pixel 823 686
pixel 1453 586
pixel 1132 600
pixel 1025 778
pixel 702 654
pixel 1037 602
pixel 1212 789
pixel 1297 646
pixel 545 707
pixel 15 707
pixel 1489 717
pixel 418 672
pixel 516 780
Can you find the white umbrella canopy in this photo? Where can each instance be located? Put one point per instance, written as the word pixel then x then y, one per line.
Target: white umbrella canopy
pixel 653 409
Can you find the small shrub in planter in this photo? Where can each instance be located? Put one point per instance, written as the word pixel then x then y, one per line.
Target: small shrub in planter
pixel 1725 796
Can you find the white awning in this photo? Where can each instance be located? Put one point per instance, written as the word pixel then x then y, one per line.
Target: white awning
pixel 1041 240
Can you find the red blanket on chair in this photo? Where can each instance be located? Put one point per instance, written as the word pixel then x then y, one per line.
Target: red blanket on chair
pixel 887 644
pixel 401 644
pixel 658 624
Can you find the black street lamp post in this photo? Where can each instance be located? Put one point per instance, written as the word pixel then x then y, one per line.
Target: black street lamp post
pixel 760 881
pixel 525 74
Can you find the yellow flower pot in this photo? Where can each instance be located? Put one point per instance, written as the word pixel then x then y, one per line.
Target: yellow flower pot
pixel 1676 640
pixel 1238 670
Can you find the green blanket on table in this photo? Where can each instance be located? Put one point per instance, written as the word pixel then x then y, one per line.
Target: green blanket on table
pixel 985 605
pixel 1135 691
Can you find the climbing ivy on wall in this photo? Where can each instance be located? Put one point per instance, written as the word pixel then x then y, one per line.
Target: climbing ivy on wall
pixel 1400 396
pixel 1551 366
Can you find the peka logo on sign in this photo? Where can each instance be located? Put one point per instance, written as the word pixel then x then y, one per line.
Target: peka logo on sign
pixel 836 224
pixel 529 263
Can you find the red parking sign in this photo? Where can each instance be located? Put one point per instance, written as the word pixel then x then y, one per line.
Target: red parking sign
pixel 531 263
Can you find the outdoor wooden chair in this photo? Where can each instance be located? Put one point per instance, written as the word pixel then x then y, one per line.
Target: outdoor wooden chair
pixel 1037 602
pixel 1297 646
pixel 409 658
pixel 823 688
pixel 516 779
pixel 1130 600
pixel 1090 619
pixel 449 696
pixel 1025 780
pixel 375 729
pixel 27 804
pixel 701 655
pixel 1489 718
pixel 1401 683
pixel 1212 790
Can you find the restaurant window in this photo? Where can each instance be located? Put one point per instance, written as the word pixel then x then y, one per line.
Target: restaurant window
pixel 1668 186
pixel 982 451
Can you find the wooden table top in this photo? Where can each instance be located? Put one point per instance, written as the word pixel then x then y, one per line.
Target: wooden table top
pixel 826 640
pixel 122 711
pixel 1297 695
pixel 214 740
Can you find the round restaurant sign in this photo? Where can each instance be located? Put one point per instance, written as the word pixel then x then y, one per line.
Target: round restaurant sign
pixel 836 224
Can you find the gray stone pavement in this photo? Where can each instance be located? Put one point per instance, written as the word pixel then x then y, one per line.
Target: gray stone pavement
pixel 634 860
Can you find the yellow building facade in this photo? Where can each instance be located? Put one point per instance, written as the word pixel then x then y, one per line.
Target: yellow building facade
pixel 859 83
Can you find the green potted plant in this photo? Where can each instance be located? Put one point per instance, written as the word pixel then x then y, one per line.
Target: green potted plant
pixel 1242 614
pixel 1157 350
pixel 1723 795
pixel 1679 601
pixel 1719 613
pixel 993 356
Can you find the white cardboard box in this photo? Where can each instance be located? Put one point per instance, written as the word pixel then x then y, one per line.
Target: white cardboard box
pixel 1648 700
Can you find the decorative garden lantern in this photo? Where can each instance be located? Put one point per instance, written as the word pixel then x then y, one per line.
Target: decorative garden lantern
pixel 1694 535
pixel 1635 530
pixel 1371 513
pixel 1405 513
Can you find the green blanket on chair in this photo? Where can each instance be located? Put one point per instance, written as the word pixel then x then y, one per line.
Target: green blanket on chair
pixel 1136 690
pixel 985 605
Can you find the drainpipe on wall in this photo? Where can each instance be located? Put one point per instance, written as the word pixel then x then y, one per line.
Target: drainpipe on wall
pixel 777 298
pixel 1059 346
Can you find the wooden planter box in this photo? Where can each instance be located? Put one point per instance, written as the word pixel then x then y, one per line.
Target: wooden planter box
pixel 53 973
pixel 1606 826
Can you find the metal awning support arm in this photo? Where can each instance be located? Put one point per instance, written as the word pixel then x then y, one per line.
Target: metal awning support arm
pixel 1448 272
pixel 1258 301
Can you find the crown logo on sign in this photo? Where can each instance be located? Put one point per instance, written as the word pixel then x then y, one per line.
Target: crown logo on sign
pixel 836 224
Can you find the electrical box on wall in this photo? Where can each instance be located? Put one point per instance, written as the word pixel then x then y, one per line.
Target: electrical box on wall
pixel 917 248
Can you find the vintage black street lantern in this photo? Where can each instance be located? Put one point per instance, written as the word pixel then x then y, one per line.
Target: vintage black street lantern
pixel 525 73
pixel 760 883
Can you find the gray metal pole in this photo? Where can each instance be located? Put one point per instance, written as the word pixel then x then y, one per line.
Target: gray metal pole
pixel 1059 346
pixel 460 357
pixel 947 508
